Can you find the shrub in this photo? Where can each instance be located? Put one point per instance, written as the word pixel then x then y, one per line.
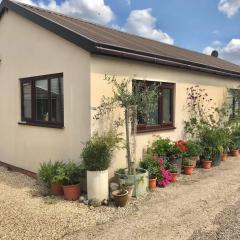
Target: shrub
pixel 69 173
pixel 187 162
pixel 97 152
pixel 48 171
pixel 193 149
pixel 152 166
pixel 161 146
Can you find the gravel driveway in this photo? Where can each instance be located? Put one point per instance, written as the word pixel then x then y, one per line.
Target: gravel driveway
pixel 202 206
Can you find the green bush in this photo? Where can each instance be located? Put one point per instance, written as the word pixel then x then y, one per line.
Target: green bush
pixel 152 166
pixel 161 146
pixel 173 168
pixel 97 153
pixel 69 173
pixel 48 171
pixel 193 149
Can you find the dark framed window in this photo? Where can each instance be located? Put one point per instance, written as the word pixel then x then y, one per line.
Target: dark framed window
pixel 42 100
pixel 234 103
pixel 162 116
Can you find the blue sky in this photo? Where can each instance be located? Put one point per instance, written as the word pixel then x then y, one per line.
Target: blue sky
pixel 200 25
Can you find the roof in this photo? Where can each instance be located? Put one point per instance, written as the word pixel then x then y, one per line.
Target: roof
pixel 106 41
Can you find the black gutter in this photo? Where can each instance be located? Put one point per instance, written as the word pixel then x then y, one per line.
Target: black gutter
pixel 48 24
pixel 148 57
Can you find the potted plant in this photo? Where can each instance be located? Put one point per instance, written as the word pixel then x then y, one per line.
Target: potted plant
pixel 132 103
pixel 188 166
pixel 193 151
pixel 97 155
pixel 153 168
pixel 120 197
pixel 48 174
pixel 69 175
pixel 173 171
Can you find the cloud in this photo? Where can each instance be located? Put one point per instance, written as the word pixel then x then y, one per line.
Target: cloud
pixel 230 52
pixel 94 10
pixel 229 7
pixel 142 23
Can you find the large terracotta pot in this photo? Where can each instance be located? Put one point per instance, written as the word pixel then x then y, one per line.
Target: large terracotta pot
pixel 120 199
pixel 173 177
pixel 188 170
pixel 152 183
pixel 56 189
pixel 224 157
pixel 235 153
pixel 206 164
pixel 71 192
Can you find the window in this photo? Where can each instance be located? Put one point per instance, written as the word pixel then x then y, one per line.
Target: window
pixel 234 103
pixel 42 100
pixel 161 116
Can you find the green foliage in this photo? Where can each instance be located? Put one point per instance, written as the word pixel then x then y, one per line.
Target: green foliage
pixel 173 168
pixel 193 148
pixel 173 151
pixel 125 98
pixel 162 146
pixel 187 162
pixel 152 166
pixel 97 152
pixel 48 170
pixel 69 173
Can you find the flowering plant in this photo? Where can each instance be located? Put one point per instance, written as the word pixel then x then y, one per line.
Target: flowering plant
pixel 165 175
pixel 182 145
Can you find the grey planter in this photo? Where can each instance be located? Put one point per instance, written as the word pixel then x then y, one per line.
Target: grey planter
pixel 140 180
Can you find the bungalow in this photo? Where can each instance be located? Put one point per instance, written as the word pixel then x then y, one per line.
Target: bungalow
pixel 52 70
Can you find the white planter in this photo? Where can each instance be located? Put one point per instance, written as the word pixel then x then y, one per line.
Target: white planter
pixel 97 185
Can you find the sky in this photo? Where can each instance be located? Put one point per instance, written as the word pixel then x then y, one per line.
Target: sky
pixel 199 25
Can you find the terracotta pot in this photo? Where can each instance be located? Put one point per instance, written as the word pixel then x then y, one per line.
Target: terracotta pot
pixel 206 164
pixel 173 176
pixel 152 183
pixel 224 157
pixel 71 192
pixel 188 170
pixel 235 153
pixel 120 199
pixel 56 189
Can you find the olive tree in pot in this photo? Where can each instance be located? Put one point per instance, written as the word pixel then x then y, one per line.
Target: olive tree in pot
pixel 48 174
pixel 97 155
pixel 133 101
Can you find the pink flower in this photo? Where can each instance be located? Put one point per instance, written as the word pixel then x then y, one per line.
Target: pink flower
pixel 161 161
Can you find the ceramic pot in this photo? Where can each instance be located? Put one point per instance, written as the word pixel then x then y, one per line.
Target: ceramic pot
pixel 120 198
pixel 173 176
pixel 71 192
pixel 97 185
pixel 206 164
pixel 56 189
pixel 188 170
pixel 152 183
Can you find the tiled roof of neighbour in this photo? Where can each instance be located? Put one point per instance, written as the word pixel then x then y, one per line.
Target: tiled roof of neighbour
pixel 106 41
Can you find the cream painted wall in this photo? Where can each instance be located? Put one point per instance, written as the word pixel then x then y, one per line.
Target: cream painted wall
pixel 28 50
pixel 215 86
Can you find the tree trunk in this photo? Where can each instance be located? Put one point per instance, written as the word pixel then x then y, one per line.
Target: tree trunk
pixel 128 141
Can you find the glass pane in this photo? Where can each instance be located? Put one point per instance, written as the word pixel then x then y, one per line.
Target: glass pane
pixel 152 116
pixel 42 112
pixel 56 100
pixel 166 105
pixel 27 100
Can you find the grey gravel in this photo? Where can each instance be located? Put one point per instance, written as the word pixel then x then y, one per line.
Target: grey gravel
pixel 184 210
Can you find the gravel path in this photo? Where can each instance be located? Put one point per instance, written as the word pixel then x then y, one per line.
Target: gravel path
pixel 202 206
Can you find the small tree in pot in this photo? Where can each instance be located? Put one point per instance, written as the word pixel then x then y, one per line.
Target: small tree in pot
pixel 173 169
pixel 132 103
pixel 97 155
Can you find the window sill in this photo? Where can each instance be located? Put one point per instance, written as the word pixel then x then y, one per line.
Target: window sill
pixel 157 129
pixel 48 125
